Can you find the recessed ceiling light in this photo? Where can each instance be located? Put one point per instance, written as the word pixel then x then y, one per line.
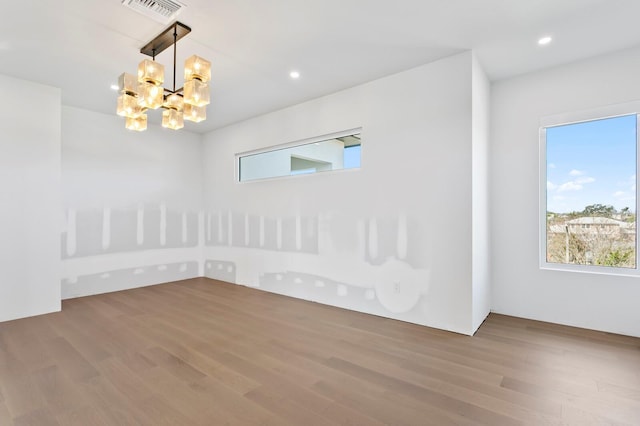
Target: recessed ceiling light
pixel 114 87
pixel 544 40
pixel 294 74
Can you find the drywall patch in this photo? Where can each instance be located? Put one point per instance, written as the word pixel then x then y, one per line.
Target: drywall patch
pixel 123 279
pixel 124 230
pixel 220 270
pixel 384 240
pixel 88 232
pixel 96 232
pixel 70 238
pixel 323 290
pixel 387 283
pixel 291 233
pixel 140 225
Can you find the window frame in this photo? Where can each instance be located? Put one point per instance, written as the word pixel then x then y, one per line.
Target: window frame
pixel 611 111
pixel 301 142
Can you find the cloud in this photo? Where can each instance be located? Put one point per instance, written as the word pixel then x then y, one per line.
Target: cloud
pixel 551 166
pixel 570 186
pixel 624 196
pixel 558 197
pixel 573 185
pixel 584 179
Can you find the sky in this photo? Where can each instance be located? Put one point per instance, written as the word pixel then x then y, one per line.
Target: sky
pixel 592 163
pixel 352 157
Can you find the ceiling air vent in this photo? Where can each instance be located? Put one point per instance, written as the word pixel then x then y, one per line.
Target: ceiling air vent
pixel 163 11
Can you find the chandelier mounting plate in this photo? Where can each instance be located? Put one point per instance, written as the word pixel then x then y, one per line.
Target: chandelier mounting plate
pixel 165 39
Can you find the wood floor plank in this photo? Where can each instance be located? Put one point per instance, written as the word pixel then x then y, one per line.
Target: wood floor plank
pixel 510 402
pixel 83 416
pixel 616 391
pixel 21 394
pixel 271 399
pixel 70 360
pixel 40 417
pixel 81 338
pixel 201 352
pixel 5 415
pixel 297 386
pixel 196 356
pixel 383 410
pixel 59 392
pixel 598 404
pixel 186 399
pixel 411 390
pixel 576 416
pixel 580 355
pixel 162 412
pixel 119 376
pixel 429 375
pixel 241 408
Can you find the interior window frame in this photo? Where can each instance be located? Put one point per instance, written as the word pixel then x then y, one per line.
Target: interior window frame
pixel 302 142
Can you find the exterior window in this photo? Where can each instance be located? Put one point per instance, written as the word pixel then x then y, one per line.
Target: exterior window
pixel 352 156
pixel 588 193
pixel 334 152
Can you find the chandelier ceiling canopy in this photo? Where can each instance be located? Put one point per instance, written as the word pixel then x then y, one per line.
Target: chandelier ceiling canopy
pixel 145 91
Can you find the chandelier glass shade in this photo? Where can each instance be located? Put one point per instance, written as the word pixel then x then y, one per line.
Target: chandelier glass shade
pixel 144 91
pixel 138 123
pixel 151 72
pixel 194 113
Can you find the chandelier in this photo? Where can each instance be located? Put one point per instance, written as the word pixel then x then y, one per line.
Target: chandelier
pixel 145 91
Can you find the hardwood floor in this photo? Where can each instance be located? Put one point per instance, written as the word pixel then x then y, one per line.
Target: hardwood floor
pixel 202 352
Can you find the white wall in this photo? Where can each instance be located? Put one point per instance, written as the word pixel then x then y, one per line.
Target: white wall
pixel 132 204
pixel 481 255
pixel 393 238
pixel 30 206
pixel 520 287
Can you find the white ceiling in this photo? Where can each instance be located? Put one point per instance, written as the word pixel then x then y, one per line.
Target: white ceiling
pixel 82 46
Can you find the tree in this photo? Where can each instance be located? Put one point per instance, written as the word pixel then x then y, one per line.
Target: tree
pixel 599 210
pixel 618 258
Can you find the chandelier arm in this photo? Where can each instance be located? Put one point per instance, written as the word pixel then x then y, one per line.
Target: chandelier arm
pixel 175 44
pixel 178 91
